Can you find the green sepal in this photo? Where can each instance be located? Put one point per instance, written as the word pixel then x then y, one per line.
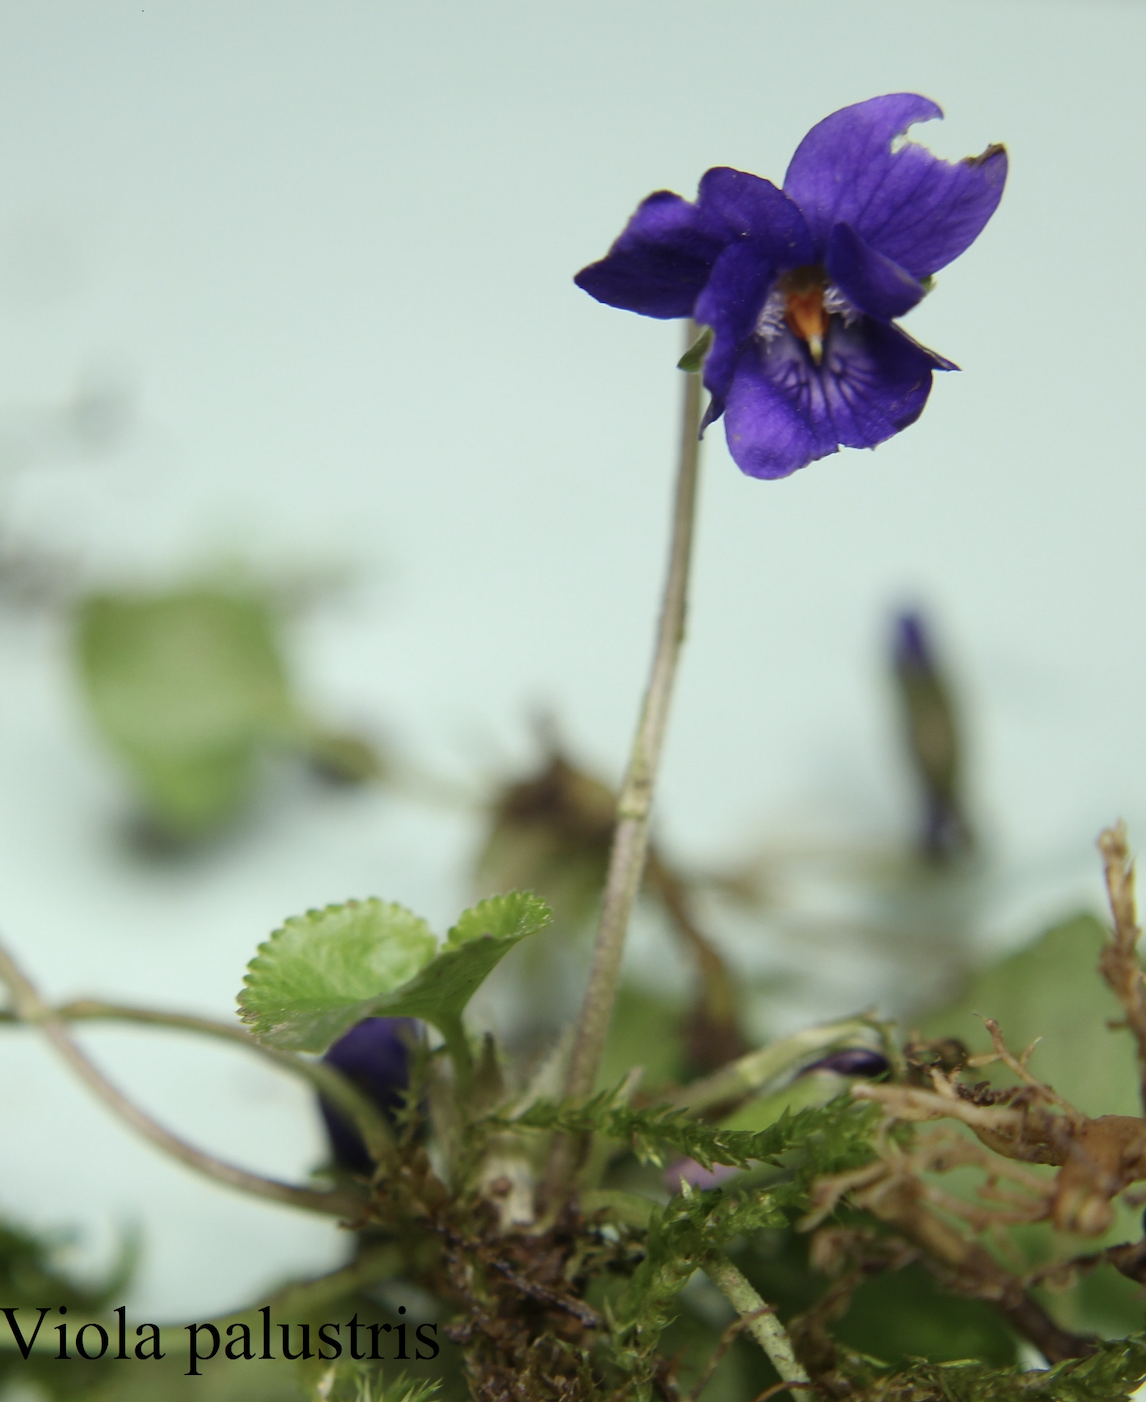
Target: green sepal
pixel 693 359
pixel 325 971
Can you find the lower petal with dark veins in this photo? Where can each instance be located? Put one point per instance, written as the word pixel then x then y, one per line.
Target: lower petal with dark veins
pixel 784 411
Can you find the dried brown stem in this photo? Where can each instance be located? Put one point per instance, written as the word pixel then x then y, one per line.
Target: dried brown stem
pixel 1018 1064
pixel 1119 964
pixel 969 1268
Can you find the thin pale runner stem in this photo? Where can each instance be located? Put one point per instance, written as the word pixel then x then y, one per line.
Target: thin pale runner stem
pixel 634 804
pixel 328 1080
pixel 31 1008
pixel 761 1322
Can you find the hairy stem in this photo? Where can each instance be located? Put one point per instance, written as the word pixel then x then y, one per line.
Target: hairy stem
pixel 761 1321
pixel 31 1008
pixel 332 1084
pixel 634 804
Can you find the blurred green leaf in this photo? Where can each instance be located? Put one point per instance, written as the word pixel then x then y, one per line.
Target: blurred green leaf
pixel 815 1088
pixel 32 1276
pixel 184 686
pixel 1052 991
pixel 327 970
pixel 645 1032
pixel 894 1315
pixel 903 1314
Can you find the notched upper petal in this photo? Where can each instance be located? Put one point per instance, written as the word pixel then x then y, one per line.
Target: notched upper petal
pixel 907 204
pixel 875 284
pixel 661 261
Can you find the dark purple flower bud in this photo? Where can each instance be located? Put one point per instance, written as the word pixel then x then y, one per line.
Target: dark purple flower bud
pixel 375 1055
pixel 911 647
pixel 801 286
pixel 932 736
pixel 851 1061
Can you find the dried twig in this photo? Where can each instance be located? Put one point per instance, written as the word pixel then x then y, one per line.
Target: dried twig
pixel 1120 965
pixel 1018 1065
pixel 900 1200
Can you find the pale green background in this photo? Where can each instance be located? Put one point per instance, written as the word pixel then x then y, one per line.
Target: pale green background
pixel 329 249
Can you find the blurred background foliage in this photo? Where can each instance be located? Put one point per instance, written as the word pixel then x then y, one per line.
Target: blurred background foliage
pixel 190 684
pixel 190 691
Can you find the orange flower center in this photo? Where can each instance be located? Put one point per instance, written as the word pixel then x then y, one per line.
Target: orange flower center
pixel 804 310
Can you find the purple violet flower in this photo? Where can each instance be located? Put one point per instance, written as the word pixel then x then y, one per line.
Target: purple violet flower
pixel 801 286
pixel 375 1055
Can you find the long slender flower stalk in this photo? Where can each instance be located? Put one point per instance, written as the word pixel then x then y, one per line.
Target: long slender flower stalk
pixel 331 1083
pixel 32 1009
pixel 634 803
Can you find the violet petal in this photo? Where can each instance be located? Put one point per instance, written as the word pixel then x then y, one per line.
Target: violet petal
pixel 731 304
pixel 776 417
pixel 876 381
pixel 908 204
pixel 661 261
pixel 875 284
pixel 754 209
pixel 784 411
pixel 375 1055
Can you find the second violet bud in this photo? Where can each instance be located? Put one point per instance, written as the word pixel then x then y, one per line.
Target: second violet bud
pixel 375 1055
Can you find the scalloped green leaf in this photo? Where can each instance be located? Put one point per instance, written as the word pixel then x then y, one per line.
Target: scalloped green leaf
pixel 327 970
pixel 508 917
pixel 482 937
